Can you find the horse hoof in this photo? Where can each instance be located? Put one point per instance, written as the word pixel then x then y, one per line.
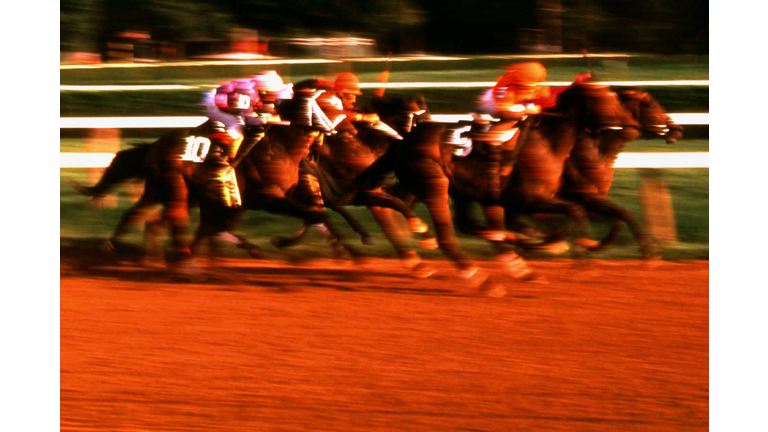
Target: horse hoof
pixel 494 290
pixel 255 252
pixel 280 242
pixel 515 266
pixel 108 247
pixel 651 253
pixel 185 268
pixel 474 277
pixel 428 244
pixel 342 253
pixel 558 248
pixel 422 271
pixel 586 242
pixel 417 226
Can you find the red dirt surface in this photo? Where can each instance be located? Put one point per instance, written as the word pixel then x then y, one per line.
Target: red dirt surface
pixel 330 346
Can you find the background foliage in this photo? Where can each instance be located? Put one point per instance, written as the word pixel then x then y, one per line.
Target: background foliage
pixel 401 26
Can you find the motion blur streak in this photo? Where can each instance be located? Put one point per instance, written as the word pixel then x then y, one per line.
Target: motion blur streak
pixel 85 160
pixel 200 63
pixel 663 160
pixel 679 118
pixel 130 122
pixel 194 121
pixel 625 160
pixel 125 87
pixel 353 59
pixel 377 85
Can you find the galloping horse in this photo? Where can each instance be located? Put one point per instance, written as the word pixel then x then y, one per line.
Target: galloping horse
pixel 529 165
pixel 574 179
pixel 589 173
pixel 346 154
pixel 175 174
pixel 419 166
pixel 135 163
pixel 341 156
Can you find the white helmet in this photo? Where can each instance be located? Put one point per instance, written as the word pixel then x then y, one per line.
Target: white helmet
pixel 268 81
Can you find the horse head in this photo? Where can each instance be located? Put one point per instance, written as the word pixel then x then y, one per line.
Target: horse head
pixel 598 109
pixel 651 116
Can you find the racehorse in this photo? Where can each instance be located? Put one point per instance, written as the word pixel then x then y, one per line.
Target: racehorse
pixel 584 175
pixel 530 166
pixel 146 161
pixel 343 156
pixel 136 163
pixel 589 173
pixel 419 167
pixel 175 175
pixel 293 183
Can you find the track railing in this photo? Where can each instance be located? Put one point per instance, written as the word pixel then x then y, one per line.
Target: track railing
pixel 86 160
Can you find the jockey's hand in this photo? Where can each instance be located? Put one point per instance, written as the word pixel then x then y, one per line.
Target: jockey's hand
pixel 257 128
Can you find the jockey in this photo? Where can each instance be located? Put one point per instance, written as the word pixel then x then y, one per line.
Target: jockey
pixel 226 131
pixel 347 87
pixel 272 92
pixel 517 95
pixel 243 108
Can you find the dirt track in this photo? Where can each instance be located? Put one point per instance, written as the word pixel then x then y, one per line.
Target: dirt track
pixel 613 346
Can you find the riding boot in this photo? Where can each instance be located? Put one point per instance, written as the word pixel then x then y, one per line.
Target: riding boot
pixel 219 178
pixel 309 191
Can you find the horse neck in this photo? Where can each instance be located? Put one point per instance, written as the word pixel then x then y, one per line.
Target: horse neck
pixel 561 133
pixel 610 147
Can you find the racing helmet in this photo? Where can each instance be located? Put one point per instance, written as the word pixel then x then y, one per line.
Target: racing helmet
pixel 237 97
pixel 347 82
pixel 269 85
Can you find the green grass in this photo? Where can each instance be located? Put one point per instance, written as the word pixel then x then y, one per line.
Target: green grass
pixel 689 189
pixel 444 100
pixel 475 68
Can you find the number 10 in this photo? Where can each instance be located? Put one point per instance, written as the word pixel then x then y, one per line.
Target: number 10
pixel 196 149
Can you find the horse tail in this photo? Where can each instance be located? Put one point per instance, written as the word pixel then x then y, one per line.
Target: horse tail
pixel 126 165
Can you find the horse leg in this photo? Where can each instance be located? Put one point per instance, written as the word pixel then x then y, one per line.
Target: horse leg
pixel 312 217
pixel 408 256
pixel 426 238
pixel 283 242
pixel 218 223
pixel 434 194
pixel 177 214
pixel 359 228
pixel 383 199
pixel 617 215
pixel 154 227
pixel 132 217
pixel 576 217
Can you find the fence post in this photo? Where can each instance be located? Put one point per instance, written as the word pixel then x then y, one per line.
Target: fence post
pixel 102 141
pixel 656 202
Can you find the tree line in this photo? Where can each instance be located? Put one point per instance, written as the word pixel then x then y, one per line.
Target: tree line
pixel 402 26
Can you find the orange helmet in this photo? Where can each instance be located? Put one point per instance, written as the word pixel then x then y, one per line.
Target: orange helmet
pixel 347 82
